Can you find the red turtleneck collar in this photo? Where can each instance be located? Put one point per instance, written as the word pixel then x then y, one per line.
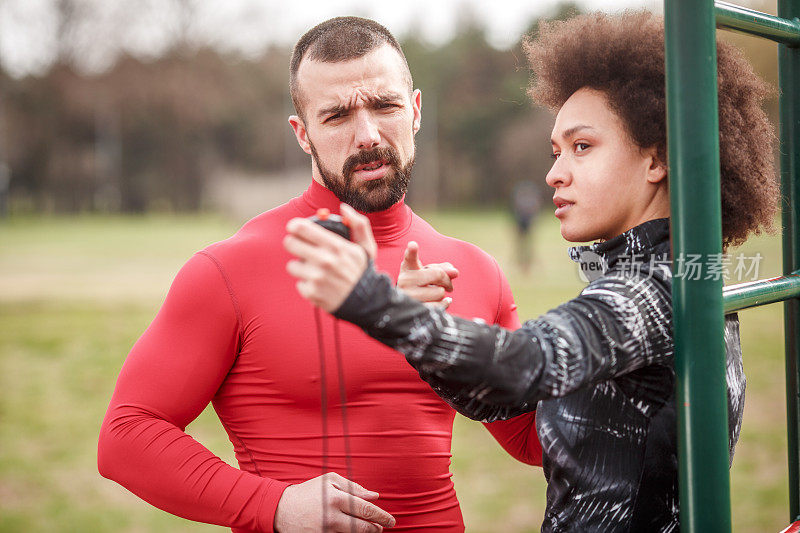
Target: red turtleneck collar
pixel 387 225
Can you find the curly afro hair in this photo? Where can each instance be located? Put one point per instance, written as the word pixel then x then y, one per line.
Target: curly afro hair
pixel 623 56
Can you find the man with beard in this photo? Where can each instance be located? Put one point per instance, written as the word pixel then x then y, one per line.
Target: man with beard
pixel 234 331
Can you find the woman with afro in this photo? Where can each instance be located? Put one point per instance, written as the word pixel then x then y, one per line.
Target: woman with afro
pixel 598 369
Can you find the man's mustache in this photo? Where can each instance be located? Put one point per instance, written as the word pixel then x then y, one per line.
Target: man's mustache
pixel 364 157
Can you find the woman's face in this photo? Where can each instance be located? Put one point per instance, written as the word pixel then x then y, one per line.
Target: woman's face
pixel 604 183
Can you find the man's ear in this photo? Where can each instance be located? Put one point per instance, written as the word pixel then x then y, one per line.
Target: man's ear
pixel 299 128
pixel 416 104
pixel 657 169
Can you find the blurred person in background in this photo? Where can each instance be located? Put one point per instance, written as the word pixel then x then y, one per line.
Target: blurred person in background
pixel 233 331
pixel 598 369
pixel 525 205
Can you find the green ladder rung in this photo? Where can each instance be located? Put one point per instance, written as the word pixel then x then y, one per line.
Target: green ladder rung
pixel 733 17
pixel 761 292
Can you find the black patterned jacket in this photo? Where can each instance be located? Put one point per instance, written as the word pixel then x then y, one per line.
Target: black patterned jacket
pixel 598 370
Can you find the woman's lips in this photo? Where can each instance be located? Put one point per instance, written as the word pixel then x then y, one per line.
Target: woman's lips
pixel 562 206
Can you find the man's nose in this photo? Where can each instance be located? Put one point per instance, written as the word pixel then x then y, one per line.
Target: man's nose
pixel 367 134
pixel 559 175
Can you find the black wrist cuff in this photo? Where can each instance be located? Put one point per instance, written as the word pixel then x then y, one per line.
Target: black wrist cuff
pixel 368 297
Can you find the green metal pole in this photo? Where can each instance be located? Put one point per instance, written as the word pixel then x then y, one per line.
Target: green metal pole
pixel 738 18
pixel 762 292
pixel 701 390
pixel 789 80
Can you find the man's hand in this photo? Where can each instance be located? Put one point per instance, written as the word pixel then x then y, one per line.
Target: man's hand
pixel 425 283
pixel 346 507
pixel 327 266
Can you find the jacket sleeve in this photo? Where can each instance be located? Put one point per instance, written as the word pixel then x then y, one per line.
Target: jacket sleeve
pixel 170 375
pixel 616 325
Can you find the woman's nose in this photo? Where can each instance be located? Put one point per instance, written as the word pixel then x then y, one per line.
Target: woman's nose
pixel 559 175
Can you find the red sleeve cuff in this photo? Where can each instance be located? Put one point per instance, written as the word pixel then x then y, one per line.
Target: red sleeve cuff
pixel 269 504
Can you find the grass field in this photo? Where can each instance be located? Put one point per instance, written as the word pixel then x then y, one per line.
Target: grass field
pixel 75 293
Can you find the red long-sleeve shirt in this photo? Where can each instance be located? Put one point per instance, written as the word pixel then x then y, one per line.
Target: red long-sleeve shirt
pixel 234 331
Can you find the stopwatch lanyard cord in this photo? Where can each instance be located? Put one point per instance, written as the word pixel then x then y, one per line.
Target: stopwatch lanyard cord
pixel 324 410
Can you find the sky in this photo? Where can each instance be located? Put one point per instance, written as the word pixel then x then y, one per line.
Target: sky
pixel 29 29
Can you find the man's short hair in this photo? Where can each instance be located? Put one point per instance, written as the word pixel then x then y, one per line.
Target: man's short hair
pixel 339 39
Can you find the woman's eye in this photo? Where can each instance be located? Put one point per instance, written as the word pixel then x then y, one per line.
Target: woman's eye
pixel 554 156
pixel 580 147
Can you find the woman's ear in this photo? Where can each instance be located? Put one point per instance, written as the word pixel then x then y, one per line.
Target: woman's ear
pixel 657 169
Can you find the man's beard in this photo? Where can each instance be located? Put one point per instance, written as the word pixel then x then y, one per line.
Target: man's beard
pixel 373 195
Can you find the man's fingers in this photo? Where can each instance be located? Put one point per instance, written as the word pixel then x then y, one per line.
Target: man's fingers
pixel 351 487
pixel 343 523
pixel 353 502
pixel 441 278
pixel 411 257
pixel 447 267
pixel 360 230
pixel 426 276
pixel 429 293
pixel 355 506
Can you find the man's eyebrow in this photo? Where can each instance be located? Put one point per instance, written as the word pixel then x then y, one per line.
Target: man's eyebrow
pixel 332 110
pixel 566 134
pixel 376 100
pixel 384 98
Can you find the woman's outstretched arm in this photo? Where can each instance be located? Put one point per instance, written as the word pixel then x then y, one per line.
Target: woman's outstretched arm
pixel 617 324
pixel 486 372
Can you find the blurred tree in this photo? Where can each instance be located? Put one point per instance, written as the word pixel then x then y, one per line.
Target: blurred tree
pixel 150 130
pixel 172 120
pixel 489 134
